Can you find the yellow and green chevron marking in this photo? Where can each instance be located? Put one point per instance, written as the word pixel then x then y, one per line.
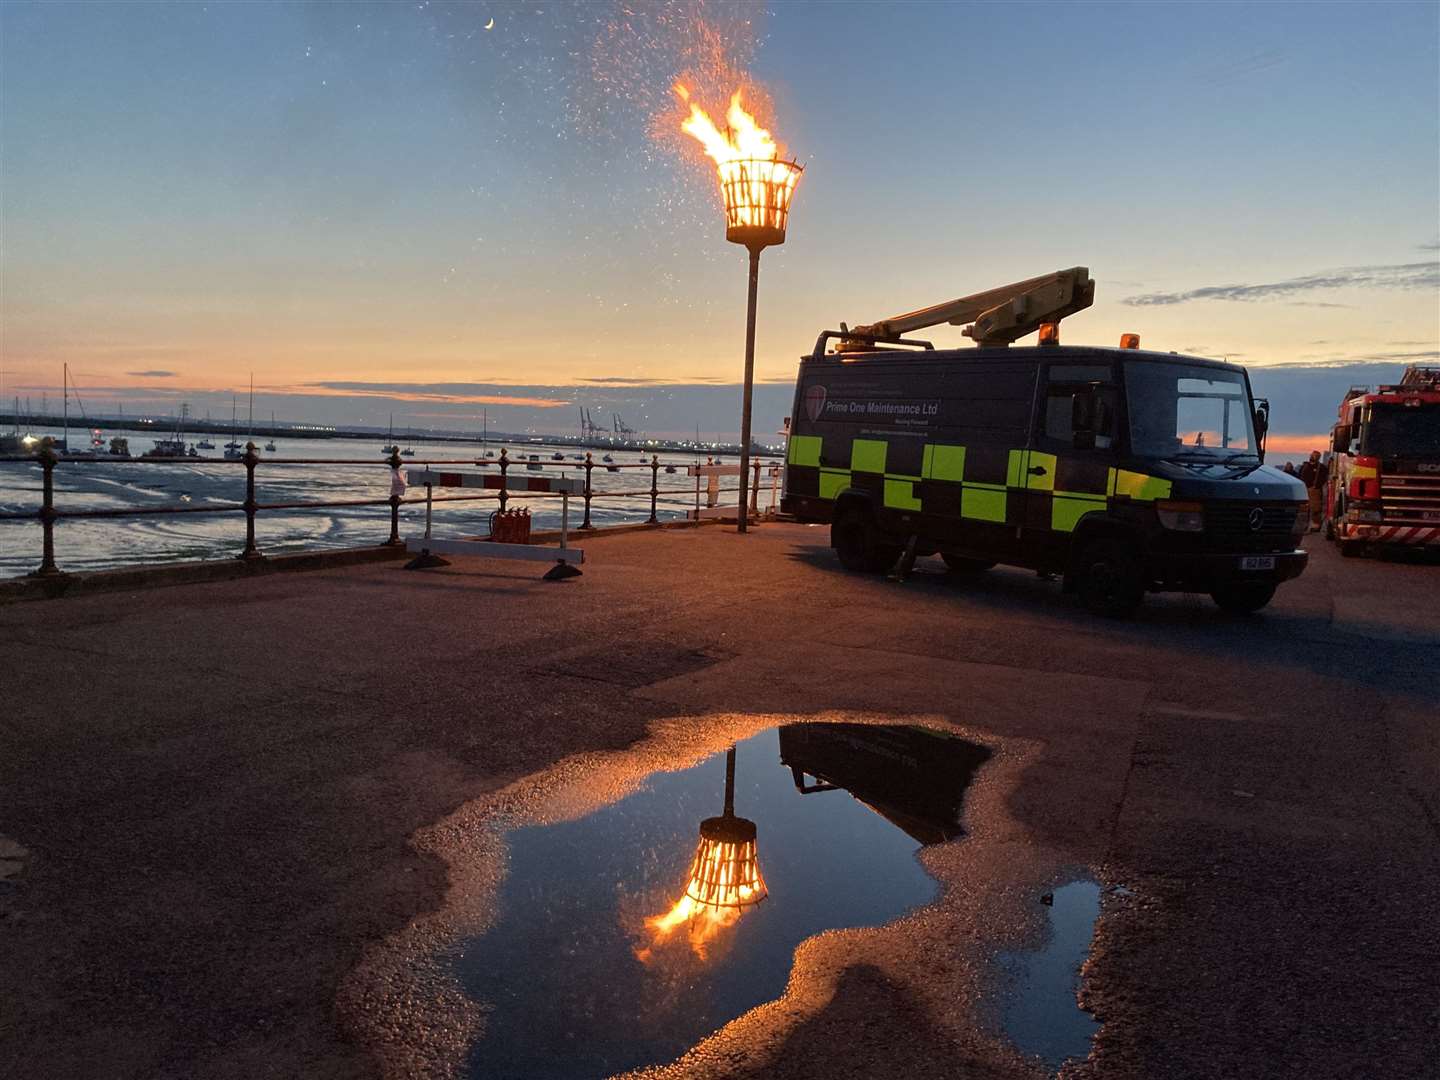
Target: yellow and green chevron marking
pixel 944 474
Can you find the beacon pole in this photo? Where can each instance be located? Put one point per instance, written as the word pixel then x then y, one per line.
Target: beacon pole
pixel 747 394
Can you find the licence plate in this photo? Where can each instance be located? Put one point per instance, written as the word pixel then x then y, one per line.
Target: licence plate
pixel 1257 562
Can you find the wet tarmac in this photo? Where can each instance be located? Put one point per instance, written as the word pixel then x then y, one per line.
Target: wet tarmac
pixel 267 859
pixel 1041 1014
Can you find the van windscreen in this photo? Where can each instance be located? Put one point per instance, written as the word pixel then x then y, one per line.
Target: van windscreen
pixel 1188 412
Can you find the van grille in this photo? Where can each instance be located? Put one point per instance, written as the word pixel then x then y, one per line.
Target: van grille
pixel 1229 524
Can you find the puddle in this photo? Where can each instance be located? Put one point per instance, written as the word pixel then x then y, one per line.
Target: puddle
pixel 603 954
pixel 1041 1015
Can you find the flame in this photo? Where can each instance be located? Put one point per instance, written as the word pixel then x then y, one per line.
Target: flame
pixel 724 879
pixel 756 184
pixel 745 140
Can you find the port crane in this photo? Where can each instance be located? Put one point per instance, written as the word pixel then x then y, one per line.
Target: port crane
pixel 588 428
pixel 994 317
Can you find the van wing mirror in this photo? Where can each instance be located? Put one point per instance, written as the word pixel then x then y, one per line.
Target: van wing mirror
pixel 1340 439
pixel 1262 425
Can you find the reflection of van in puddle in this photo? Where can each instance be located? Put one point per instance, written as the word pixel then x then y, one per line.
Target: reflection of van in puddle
pixel 1125 471
pixel 914 777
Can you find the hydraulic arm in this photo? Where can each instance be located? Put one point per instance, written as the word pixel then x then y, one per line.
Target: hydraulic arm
pixel 994 317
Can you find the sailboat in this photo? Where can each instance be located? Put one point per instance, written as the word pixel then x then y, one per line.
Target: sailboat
pixel 205 443
pixel 409 451
pixel 270 446
pixel 390 446
pixel 250 436
pixel 233 450
pixel 173 447
pixel 63 443
pixel 485 431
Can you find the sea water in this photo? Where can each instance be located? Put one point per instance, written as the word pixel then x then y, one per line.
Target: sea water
pixel 354 469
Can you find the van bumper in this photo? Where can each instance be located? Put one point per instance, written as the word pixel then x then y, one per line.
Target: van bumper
pixel 1200 573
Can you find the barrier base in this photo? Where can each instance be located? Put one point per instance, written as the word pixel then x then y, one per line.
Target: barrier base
pixel 425 561
pixel 565 559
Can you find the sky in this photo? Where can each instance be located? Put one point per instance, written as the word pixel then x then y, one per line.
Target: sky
pixel 430 210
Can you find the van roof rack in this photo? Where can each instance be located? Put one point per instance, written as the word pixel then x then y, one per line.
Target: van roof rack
pixel 993 317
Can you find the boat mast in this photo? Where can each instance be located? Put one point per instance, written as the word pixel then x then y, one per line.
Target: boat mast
pixel 65 390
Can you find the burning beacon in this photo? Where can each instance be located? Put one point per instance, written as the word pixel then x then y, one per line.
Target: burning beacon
pixel 757 186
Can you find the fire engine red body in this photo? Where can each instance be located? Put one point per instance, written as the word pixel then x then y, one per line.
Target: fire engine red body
pixel 1384 485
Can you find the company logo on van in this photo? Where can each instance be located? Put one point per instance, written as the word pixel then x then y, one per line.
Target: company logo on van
pixel 814 402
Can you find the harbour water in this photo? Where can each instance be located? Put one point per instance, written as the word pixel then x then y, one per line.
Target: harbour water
pixel 355 470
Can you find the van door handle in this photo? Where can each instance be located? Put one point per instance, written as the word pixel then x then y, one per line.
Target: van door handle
pixel 1037 470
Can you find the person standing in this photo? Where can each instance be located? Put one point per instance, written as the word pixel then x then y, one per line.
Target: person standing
pixel 1312 475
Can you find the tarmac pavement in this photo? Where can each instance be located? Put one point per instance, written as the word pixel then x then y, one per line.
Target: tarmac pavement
pixel 231 813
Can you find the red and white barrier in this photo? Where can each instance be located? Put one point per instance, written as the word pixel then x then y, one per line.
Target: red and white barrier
pixel 565 557
pixel 712 475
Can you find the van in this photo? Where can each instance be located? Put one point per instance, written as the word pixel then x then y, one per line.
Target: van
pixel 1123 471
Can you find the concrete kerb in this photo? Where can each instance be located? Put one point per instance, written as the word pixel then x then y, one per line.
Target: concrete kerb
pixel 89 583
pixel 18 590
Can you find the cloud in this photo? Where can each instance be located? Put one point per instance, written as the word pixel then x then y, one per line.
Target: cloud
pixel 1421 275
pixel 449 393
pixel 616 380
pixel 1304 396
pixel 1433 245
pixel 153 374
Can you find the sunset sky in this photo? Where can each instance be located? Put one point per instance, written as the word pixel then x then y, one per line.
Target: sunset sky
pixel 389 207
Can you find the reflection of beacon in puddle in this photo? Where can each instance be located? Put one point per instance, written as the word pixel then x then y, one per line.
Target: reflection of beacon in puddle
pixel 724 878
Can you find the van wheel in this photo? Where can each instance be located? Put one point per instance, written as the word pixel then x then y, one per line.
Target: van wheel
pixel 1110 579
pixel 1244 599
pixel 959 564
pixel 858 543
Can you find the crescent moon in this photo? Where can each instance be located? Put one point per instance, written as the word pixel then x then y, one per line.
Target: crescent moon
pixel 491 24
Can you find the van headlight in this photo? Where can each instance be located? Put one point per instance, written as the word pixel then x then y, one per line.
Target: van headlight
pixel 1301 525
pixel 1180 516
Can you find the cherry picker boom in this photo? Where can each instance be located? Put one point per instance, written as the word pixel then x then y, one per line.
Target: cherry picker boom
pixel 993 317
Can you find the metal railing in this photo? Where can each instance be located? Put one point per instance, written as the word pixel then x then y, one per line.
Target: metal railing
pixel 48 514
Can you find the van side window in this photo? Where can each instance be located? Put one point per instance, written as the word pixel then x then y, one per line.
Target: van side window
pixel 1058 414
pixel 1065 380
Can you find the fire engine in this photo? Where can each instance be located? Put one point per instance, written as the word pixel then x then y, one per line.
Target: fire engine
pixel 1384 481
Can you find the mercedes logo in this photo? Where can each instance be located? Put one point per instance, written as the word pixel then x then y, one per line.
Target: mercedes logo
pixel 1257 519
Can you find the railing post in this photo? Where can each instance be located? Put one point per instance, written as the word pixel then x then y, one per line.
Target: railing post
pixel 654 486
pixel 589 465
pixel 755 492
pixel 251 458
pixel 504 464
pixel 395 489
pixel 48 458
